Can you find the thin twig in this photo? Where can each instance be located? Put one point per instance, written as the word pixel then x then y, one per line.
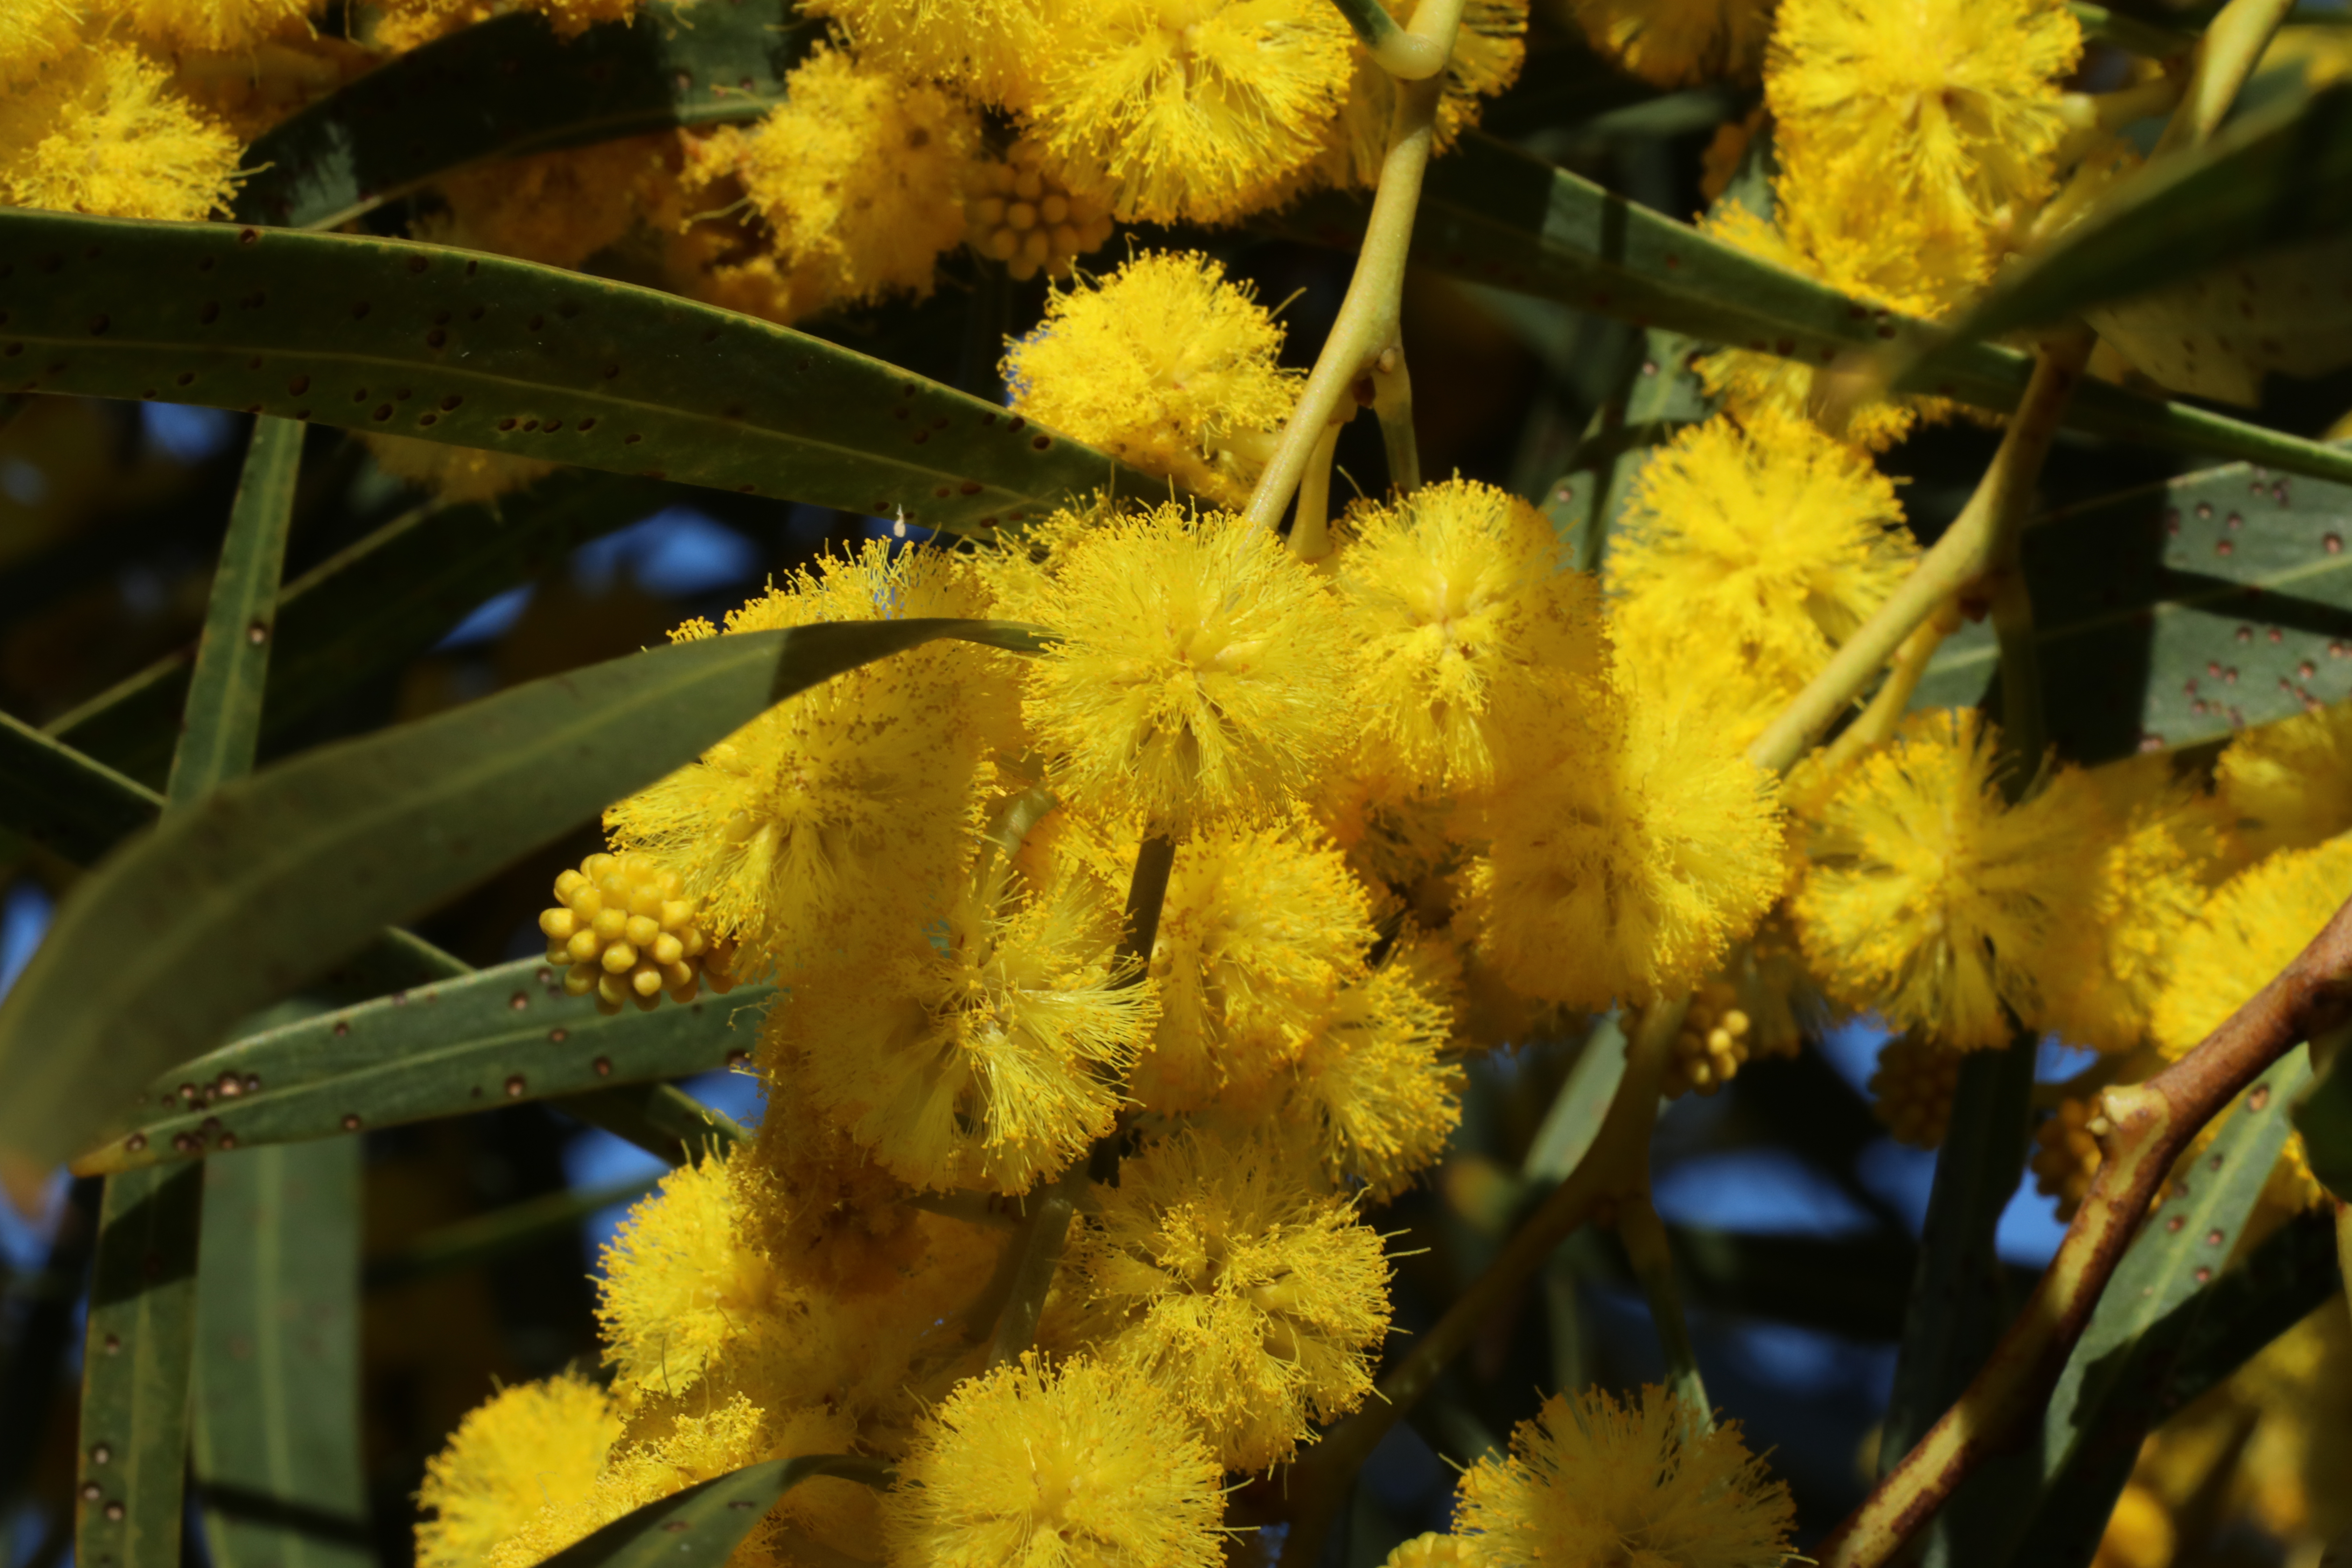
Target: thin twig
pixel 1310 531
pixel 1654 1265
pixel 2152 1123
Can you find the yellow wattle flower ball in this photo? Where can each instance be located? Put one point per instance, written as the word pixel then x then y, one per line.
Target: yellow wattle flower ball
pixel 861 176
pixel 1258 930
pixel 1196 678
pixel 1675 43
pixel 1764 535
pixel 1936 905
pixel 1945 110
pixel 838 814
pixel 991 1058
pixel 681 1280
pixel 989 50
pixel 1083 1466
pixel 34 33
pixel 1218 1275
pixel 1467 628
pixel 1163 364
pixel 624 931
pixel 1628 866
pixel 217 26
pixel 1592 1482
pixel 2250 928
pixel 1911 1090
pixel 531 1446
pixel 2288 786
pixel 1189 110
pixel 103 131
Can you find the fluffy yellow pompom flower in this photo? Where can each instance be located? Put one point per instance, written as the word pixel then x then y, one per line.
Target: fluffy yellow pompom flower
pixel 1256 1304
pixel 1630 866
pixel 989 48
pixel 1198 677
pixel 1163 364
pixel 1936 905
pixel 2288 786
pixel 1944 110
pixel 558 207
pixel 1084 1465
pixel 841 811
pixel 531 1446
pixel 34 33
pixel 1767 535
pixel 862 176
pixel 1192 111
pixel 2251 929
pixel 1674 43
pixel 1467 628
pixel 1257 931
pixel 213 24
pixel 1488 51
pixel 103 132
pixel 990 1058
pixel 1591 1482
pixel 453 474
pixel 681 1282
pixel 1373 1086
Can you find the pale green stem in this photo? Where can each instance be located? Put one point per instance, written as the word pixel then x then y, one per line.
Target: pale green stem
pixel 1367 324
pixel 1392 407
pixel 1893 698
pixel 1411 53
pixel 1654 1265
pixel 1310 531
pixel 2226 56
pixel 2091 116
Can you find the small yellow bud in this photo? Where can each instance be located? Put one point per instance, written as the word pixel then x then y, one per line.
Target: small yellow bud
pixel 618 957
pixel 1054 207
pixel 595 867
pixel 1028 185
pixel 645 982
pixel 580 979
pixel 585 900
pixel 641 930
pixel 584 947
pixel 611 924
pixel 557 924
pixel 569 883
pixel 666 949
pixel 1022 216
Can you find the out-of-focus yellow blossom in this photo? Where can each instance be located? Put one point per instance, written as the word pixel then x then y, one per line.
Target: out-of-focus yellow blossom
pixel 216 24
pixel 2252 928
pixel 2139 1533
pixel 102 131
pixel 1911 1089
pixel 405 24
pixel 1432 1550
pixel 456 474
pixel 2150 886
pixel 1254 1303
pixel 1725 151
pixel 1372 1088
pixel 1197 678
pixel 532 1447
pixel 843 810
pixel 1714 1042
pixel 989 48
pixel 558 208
pixel 681 1282
pixel 862 176
pixel 33 34
pixel 1944 110
pixel 2066 1153
pixel 1083 1466
pixel 1022 216
pixel 1163 364
pixel 1393 835
pixel 1674 43
pixel 992 1058
pixel 2288 786
pixel 625 934
pixel 254 89
pixel 1629 868
pixel 1488 50
pixel 1466 628
pixel 1765 534
pixel 831 1205
pixel 1592 1482
pixel 1189 110
pixel 1258 931
pixel 1936 905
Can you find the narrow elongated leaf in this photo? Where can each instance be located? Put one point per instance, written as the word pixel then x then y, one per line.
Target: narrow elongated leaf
pixel 498 1234
pixel 2256 1300
pixel 2324 1119
pixel 373 606
pixel 135 1362
pixel 2110 1393
pixel 2179 613
pixel 2276 178
pixel 494 1038
pixel 1660 398
pixel 659 1118
pixel 220 728
pixel 277 1372
pixel 509 87
pixel 304 861
pixel 66 801
pixel 698 1528
pixel 1497 216
pixel 449 345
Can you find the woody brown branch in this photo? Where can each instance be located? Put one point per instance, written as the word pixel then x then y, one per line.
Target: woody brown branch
pixel 2152 1123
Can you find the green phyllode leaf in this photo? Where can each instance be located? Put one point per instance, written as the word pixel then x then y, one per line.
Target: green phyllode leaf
pixel 305 860
pixel 508 87
pixel 479 351
pixel 494 1038
pixel 699 1527
pixel 375 605
pixel 2324 1119
pixel 278 1375
pixel 2179 613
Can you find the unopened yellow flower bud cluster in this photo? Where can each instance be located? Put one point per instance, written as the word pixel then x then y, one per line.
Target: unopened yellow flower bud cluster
pixel 624 931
